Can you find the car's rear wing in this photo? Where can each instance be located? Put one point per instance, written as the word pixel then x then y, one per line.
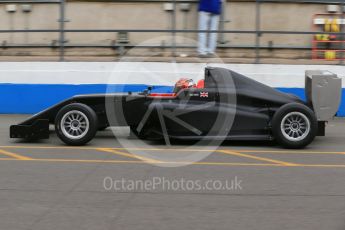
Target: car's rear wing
pixel 323 92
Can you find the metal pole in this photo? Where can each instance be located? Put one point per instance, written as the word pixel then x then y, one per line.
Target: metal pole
pixel 62 30
pixel 222 22
pixel 173 27
pixel 26 35
pixel 258 33
pixel 342 8
pixel 11 27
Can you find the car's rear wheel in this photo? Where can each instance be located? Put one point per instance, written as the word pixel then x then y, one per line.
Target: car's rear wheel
pixel 76 124
pixel 294 125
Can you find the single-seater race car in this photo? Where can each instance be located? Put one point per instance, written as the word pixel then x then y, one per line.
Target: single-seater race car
pixel 225 105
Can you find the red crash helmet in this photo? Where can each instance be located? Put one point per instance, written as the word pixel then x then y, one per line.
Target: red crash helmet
pixel 184 83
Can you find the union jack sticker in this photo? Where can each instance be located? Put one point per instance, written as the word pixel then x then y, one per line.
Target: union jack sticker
pixel 203 94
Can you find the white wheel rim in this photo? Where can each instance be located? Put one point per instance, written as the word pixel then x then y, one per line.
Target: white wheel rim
pixel 74 125
pixel 295 126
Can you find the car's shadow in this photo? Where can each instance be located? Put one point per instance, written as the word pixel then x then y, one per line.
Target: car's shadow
pixel 224 143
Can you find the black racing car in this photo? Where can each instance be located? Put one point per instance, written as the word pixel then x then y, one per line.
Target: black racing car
pixel 224 106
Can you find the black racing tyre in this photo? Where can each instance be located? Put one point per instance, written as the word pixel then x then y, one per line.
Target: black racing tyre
pixel 76 124
pixel 294 125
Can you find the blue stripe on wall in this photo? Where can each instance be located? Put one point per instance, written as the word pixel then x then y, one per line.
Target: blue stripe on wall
pixel 32 98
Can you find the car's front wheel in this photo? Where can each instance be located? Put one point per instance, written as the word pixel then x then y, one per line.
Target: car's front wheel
pixel 76 124
pixel 294 125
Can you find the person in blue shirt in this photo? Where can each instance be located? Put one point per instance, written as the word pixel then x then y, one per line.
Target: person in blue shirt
pixel 209 11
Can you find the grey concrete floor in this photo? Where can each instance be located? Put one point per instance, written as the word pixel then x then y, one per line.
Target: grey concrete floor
pixel 47 185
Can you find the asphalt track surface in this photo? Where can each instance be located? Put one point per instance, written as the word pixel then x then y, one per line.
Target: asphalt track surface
pixel 46 185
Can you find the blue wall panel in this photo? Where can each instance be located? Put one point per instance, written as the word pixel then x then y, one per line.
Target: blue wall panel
pixel 32 98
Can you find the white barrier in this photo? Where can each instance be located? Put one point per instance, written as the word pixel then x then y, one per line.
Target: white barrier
pixel 148 73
